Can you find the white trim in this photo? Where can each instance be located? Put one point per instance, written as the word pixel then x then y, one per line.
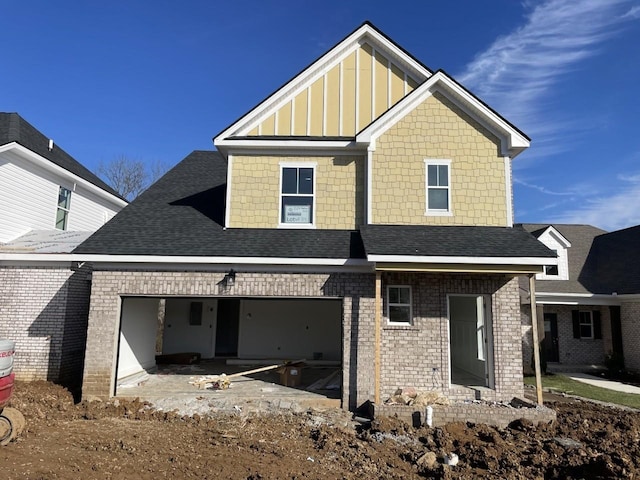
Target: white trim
pixel 410 304
pixel 275 122
pixel 369 185
pixel 513 142
pixel 334 56
pixel 297 151
pixel 298 165
pixel 317 144
pixel 51 166
pixel 293 116
pixel 561 239
pixel 433 212
pixel 462 260
pixel 508 190
pixel 406 84
pixel 227 213
pixel 549 298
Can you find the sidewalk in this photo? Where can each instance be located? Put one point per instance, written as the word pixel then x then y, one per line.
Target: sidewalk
pixel 602 383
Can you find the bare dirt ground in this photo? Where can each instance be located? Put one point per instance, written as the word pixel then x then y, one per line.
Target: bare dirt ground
pixel 127 440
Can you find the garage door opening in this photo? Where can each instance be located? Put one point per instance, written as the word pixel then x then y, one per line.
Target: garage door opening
pixel 232 335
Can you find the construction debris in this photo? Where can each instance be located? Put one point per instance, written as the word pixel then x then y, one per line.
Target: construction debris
pixel 223 381
pixel 331 382
pixel 410 396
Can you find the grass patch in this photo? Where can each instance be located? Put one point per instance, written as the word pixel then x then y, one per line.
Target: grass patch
pixel 563 384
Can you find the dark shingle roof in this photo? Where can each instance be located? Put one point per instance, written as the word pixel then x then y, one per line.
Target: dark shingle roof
pixel 581 237
pixel 14 128
pixel 614 262
pixel 456 241
pixel 182 214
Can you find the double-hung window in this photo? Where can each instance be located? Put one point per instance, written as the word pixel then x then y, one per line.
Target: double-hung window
pixel 399 304
pixel 297 196
pixel 438 176
pixel 587 324
pixel 62 212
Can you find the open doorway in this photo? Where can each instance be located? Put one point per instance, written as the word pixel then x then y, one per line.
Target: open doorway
pixel 470 341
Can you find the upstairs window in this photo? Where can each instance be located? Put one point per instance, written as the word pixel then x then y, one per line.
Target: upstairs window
pixel 297 196
pixel 438 187
pixel 552 270
pixel 62 213
pixel 399 304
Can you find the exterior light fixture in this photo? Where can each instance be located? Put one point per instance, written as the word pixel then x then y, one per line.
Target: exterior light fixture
pixel 230 278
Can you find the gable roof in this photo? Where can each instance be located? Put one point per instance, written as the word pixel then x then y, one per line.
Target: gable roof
pixel 247 131
pixel 182 215
pixel 14 128
pixel 582 277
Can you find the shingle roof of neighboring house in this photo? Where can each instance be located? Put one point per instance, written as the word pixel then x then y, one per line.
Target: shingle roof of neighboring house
pixel 582 278
pixel 182 214
pixel 615 260
pixel 455 241
pixel 14 128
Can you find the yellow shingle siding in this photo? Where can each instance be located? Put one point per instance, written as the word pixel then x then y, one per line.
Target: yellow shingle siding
pixel 438 129
pixel 255 190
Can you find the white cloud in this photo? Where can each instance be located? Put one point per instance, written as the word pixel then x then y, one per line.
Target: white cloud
pixel 540 188
pixel 519 69
pixel 610 212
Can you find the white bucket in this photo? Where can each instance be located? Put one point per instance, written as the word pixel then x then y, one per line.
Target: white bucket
pixel 7 350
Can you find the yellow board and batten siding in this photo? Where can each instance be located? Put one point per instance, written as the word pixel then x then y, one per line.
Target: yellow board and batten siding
pixel 339 194
pixel 438 129
pixel 344 100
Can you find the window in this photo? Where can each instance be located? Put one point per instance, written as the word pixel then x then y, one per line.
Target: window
pixel 551 270
pixel 62 213
pixel 399 304
pixel 297 197
pixel 586 324
pixel 438 187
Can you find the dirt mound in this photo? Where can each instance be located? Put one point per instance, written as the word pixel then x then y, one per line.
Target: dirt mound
pixel 119 439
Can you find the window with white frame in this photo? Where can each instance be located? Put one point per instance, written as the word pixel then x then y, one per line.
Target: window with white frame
pixel 438 178
pixel 62 212
pixel 399 304
pixel 297 195
pixel 586 325
pixel 552 270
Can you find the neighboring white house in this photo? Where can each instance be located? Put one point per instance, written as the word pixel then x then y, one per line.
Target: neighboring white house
pixel 49 203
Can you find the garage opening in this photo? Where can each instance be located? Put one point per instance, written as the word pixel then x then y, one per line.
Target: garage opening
pixel 231 335
pixel 470 340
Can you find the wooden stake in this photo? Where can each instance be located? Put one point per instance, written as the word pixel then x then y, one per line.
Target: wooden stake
pixel 378 322
pixel 536 342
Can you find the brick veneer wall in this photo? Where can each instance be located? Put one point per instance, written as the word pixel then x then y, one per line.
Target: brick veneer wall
pixel 630 319
pixel 410 353
pixel 419 347
pixel 357 291
pixel 579 350
pixel 44 310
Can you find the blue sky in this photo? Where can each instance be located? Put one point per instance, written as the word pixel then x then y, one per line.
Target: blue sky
pixel 154 80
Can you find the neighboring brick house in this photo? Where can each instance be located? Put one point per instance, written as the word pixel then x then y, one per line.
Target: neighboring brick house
pixel 49 204
pixel 589 303
pixel 361 214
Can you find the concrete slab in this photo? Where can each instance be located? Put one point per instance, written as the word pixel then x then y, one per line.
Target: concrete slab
pixel 168 388
pixel 603 383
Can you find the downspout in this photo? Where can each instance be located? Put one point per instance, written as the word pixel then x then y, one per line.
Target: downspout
pixel 378 321
pixel 536 342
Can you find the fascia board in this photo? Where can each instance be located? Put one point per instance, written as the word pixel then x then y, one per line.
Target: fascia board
pixel 274 144
pixel 463 260
pixel 557 235
pixel 364 34
pixel 58 170
pixel 516 142
pixel 554 298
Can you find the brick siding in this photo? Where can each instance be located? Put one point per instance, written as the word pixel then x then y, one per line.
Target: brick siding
pixel 44 310
pixel 630 319
pixel 418 348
